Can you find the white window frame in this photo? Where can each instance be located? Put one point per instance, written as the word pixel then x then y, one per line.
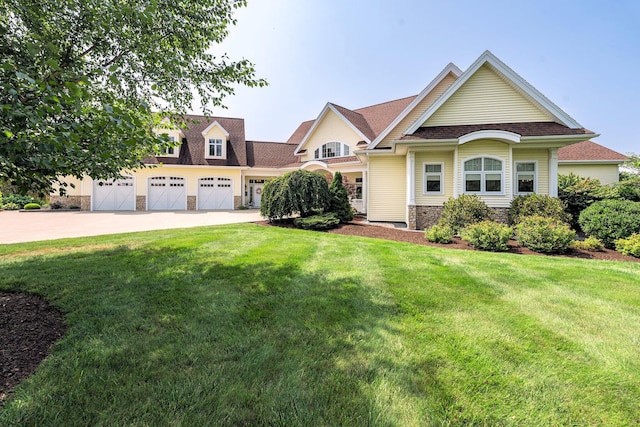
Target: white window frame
pixel 343 151
pixel 483 174
pixel 424 178
pixel 516 173
pixel 176 150
pixel 213 141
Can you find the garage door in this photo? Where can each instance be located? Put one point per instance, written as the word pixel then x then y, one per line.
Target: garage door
pixel 215 193
pixel 167 193
pixel 114 195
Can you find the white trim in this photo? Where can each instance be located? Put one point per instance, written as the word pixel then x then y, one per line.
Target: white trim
pixel 449 69
pixel 316 122
pixel 500 135
pixel 591 162
pixel 315 163
pixel 211 126
pixel 207 148
pixel 411 179
pixel 456 179
pixel 424 179
pixel 515 177
pixel 489 58
pixel 553 172
pixel 482 176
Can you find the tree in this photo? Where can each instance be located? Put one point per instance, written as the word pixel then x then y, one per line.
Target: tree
pixel 339 204
pixel 80 79
pixel 298 192
pixel 633 162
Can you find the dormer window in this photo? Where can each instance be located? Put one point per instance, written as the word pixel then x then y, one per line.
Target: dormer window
pixel 172 151
pixel 214 148
pixel 331 149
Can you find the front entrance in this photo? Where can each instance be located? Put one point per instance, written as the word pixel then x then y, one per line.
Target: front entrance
pixel 255 192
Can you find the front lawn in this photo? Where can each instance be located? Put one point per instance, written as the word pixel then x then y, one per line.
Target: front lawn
pixel 251 325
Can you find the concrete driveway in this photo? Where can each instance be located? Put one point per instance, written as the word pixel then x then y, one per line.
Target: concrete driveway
pixel 30 226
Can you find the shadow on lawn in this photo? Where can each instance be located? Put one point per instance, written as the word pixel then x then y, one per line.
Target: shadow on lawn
pixel 170 335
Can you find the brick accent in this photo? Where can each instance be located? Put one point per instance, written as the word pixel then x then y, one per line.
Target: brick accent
pixel 191 203
pixel 141 203
pixel 83 202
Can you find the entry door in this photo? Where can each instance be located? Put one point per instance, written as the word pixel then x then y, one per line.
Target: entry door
pixel 256 187
pixel 114 195
pixel 167 193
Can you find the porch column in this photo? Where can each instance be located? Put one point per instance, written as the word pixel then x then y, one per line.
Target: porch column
pixel 364 190
pixel 553 172
pixel 411 178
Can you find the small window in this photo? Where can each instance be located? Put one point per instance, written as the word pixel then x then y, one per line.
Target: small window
pixel 171 151
pixel 358 195
pixel 525 177
pixel 215 148
pixel 331 149
pixel 483 175
pixel 433 178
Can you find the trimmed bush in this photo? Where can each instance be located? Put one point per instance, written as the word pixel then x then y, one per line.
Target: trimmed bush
pixel 579 193
pixel 318 222
pixel 591 244
pixel 467 209
pixel 17 200
pixel 31 206
pixel 610 220
pixel 546 235
pixel 627 189
pixel 339 203
pixel 537 204
pixel 488 236
pixel 629 246
pixel 439 234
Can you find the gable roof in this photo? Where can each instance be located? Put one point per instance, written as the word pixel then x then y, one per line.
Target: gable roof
pixel 270 154
pixel 589 151
pixel 498 66
pixel 192 150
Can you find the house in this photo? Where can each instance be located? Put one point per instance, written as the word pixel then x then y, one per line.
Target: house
pixel 483 131
pixel 590 160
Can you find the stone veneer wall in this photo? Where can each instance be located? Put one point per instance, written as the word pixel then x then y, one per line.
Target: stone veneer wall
pixel 84 202
pixel 191 203
pixel 141 203
pixel 422 217
pixel 237 202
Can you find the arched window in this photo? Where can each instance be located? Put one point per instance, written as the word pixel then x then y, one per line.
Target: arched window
pixel 331 149
pixel 483 175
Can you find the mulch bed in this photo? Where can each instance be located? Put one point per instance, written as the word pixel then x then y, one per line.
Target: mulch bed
pixel 357 228
pixel 28 328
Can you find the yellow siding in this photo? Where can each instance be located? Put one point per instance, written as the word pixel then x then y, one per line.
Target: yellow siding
pixel 488 148
pixel 607 174
pixel 486 98
pixel 81 187
pixel 422 106
pixel 387 189
pixel 446 158
pixel 541 156
pixel 331 128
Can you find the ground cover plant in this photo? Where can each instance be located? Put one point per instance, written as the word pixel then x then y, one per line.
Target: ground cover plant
pixel 250 325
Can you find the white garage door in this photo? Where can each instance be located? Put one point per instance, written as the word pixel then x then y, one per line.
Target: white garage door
pixel 215 193
pixel 114 195
pixel 167 193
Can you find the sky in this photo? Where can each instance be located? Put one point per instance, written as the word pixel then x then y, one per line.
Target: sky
pixel 582 55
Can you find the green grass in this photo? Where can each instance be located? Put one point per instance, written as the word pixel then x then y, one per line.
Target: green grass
pixel 250 325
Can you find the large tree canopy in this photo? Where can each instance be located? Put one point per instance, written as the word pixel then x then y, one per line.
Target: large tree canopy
pixel 80 80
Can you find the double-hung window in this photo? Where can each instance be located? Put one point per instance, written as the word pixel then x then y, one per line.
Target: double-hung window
pixel 525 177
pixel 171 151
pixel 483 175
pixel 214 148
pixel 433 178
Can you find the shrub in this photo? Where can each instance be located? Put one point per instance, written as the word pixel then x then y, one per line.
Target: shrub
pixel 439 234
pixel 17 200
pixel 610 220
pixel 339 202
pixel 578 194
pixel 546 235
pixel 57 205
pixel 627 189
pixel 537 204
pixel 467 209
pixel 629 246
pixel 11 206
pixel 298 192
pixel 488 236
pixel 317 222
pixel 31 206
pixel 591 244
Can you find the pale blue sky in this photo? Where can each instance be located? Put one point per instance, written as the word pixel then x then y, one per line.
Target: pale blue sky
pixel 583 55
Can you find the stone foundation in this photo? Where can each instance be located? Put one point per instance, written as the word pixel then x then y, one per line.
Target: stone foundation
pixel 83 202
pixel 237 202
pixel 422 217
pixel 141 203
pixel 191 203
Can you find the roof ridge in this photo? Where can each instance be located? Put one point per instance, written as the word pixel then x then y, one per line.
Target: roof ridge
pixel 385 102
